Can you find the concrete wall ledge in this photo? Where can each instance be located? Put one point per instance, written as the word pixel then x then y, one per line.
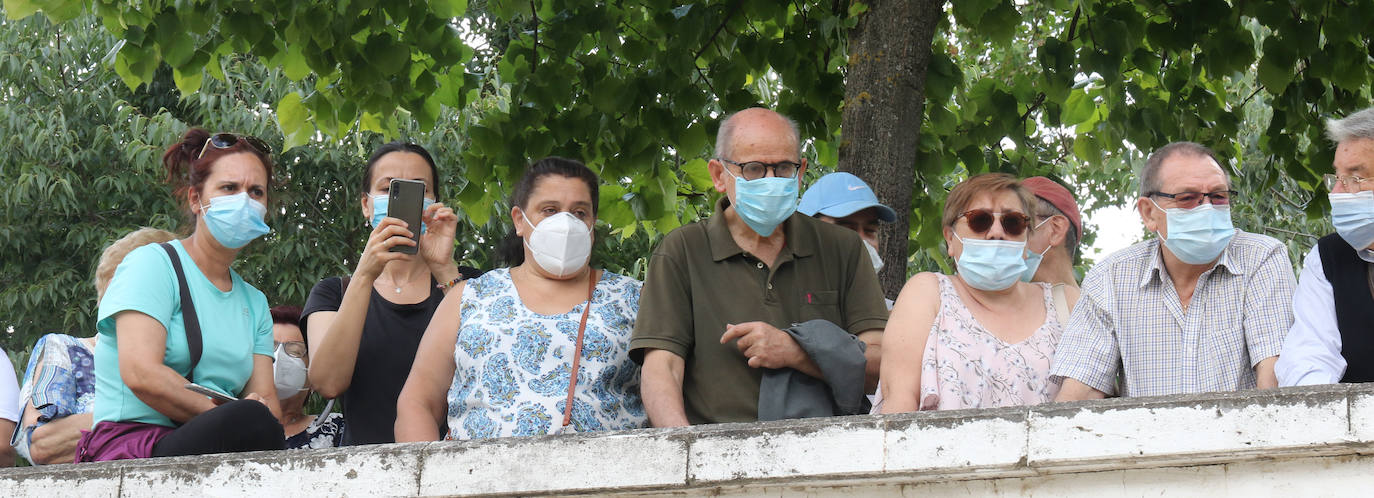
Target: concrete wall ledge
pixel 1305 431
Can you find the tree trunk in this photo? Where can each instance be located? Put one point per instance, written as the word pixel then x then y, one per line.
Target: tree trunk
pixel 889 50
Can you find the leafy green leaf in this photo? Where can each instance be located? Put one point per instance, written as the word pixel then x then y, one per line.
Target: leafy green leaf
pixel 188 83
pixel 698 174
pixel 291 117
pixel 1077 108
pixel 294 64
pixel 19 9
pixel 1276 67
pixel 449 9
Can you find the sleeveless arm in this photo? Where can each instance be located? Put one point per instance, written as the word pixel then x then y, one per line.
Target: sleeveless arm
pixel 423 404
pixel 904 343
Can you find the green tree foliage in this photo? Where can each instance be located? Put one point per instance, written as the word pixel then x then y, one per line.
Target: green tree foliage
pixel 1084 90
pixel 634 89
pixel 82 168
pixel 1072 89
pixel 362 61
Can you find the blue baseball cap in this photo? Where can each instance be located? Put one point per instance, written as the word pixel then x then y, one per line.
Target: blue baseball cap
pixel 841 194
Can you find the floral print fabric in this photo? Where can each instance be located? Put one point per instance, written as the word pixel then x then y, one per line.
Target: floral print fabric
pixel 512 364
pixel 966 366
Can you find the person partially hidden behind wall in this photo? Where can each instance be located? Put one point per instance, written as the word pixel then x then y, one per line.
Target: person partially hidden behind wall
pixel 843 199
pixel 1333 308
pixel 59 382
pixel 1203 307
pixel 1051 250
pixel 980 338
pixel 719 293
pixel 289 370
pixel 167 298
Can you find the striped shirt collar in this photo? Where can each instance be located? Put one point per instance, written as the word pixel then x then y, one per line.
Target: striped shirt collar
pixel 1155 268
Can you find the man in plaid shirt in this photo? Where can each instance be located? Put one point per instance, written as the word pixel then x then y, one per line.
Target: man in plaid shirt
pixel 1203 307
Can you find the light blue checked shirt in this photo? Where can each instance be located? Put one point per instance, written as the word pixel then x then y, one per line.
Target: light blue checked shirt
pixel 1129 320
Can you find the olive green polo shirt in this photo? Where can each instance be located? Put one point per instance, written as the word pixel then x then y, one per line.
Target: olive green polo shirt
pixel 700 280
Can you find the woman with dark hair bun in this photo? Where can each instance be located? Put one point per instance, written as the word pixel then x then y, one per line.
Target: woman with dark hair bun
pixel 152 341
pixel 541 347
pixel 363 329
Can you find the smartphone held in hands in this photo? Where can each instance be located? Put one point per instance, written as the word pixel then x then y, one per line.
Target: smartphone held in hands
pixel 210 393
pixel 407 204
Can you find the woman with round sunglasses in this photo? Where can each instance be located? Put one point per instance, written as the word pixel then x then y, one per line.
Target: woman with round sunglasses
pixel 363 330
pixel 146 332
pixel 980 338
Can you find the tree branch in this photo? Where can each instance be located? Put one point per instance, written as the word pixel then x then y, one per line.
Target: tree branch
pixel 1073 24
pixel 1252 95
pixel 534 51
pixel 1284 198
pixel 705 80
pixel 1290 232
pixel 720 28
pixel 1039 99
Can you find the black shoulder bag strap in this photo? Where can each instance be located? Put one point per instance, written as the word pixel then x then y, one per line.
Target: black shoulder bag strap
pixel 189 320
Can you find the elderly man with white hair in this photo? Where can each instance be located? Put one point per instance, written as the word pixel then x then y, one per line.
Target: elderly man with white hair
pixel 1333 308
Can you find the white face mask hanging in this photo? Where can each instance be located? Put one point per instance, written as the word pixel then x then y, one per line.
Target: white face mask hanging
pixel 873 257
pixel 561 243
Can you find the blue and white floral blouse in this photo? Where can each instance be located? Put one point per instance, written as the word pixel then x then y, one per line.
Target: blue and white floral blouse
pixel 511 376
pixel 59 381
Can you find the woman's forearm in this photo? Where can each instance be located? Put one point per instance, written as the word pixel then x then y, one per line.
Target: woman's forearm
pixel 164 390
pixel 334 351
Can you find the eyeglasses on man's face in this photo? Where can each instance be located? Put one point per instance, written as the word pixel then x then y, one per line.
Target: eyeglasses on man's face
pixel 1351 183
pixel 753 170
pixel 1194 199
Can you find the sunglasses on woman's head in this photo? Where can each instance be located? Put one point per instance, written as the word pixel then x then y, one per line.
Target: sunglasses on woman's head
pixel 980 221
pixel 227 140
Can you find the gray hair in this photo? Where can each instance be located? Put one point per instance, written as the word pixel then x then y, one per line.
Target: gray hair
pixel 1354 126
pixel 725 136
pixel 1149 175
pixel 1046 209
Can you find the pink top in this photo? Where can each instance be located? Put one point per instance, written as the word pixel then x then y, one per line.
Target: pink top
pixel 965 366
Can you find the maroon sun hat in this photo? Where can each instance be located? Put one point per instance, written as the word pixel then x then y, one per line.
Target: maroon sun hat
pixel 1057 195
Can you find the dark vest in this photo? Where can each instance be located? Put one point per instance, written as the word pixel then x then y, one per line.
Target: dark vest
pixel 1350 285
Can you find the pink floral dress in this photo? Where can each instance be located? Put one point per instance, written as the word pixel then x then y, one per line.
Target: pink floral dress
pixel 966 366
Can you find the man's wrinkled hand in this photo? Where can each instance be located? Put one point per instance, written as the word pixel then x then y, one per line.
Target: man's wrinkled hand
pixel 765 345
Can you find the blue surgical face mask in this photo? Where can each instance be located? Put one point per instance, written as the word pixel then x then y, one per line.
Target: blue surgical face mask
pixel 991 265
pixel 764 203
pixel 1353 216
pixel 1198 236
pixel 235 220
pixel 1033 260
pixel 380 203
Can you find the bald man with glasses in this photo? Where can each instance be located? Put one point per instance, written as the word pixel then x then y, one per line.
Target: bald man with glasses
pixel 723 299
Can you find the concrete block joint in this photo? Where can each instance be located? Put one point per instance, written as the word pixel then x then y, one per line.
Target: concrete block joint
pixel 1312 440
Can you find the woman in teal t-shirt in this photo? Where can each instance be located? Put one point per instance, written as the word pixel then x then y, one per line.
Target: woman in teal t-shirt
pixel 143 361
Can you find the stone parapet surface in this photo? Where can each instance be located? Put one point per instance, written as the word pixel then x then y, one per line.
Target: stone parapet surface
pixel 1226 443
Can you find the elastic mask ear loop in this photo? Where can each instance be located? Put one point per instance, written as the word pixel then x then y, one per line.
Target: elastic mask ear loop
pixel 1037 227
